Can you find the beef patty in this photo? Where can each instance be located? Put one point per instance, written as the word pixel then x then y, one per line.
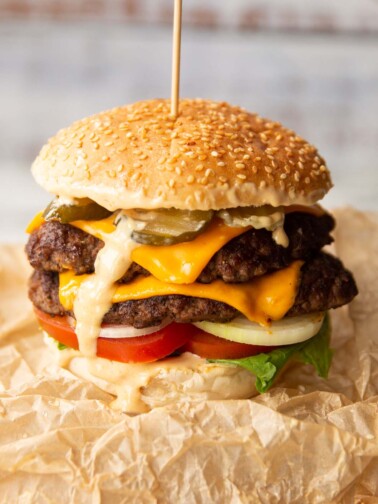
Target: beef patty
pixel 324 284
pixel 58 247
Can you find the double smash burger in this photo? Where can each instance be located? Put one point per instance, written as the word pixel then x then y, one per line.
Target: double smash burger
pixel 182 257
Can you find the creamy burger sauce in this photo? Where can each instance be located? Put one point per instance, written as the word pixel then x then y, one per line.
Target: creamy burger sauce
pixel 140 387
pixel 127 381
pixel 94 298
pixel 274 223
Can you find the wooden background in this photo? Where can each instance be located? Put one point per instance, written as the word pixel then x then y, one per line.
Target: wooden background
pixel 312 64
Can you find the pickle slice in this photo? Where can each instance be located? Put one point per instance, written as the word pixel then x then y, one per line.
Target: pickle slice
pixel 82 209
pixel 265 216
pixel 167 226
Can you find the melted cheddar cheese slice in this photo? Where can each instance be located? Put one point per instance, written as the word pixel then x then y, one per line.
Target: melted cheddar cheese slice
pixel 181 263
pixel 265 298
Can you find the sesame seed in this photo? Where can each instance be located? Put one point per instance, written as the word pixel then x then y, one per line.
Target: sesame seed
pixel 214 153
pixel 208 172
pixel 240 166
pixel 258 158
pixel 307 180
pixel 120 168
pixel 268 169
pixel 199 167
pixel 241 176
pixel 246 156
pixel 190 179
pixel 108 144
pixel 178 170
pixel 96 146
pixel 137 165
pixel 122 149
pixel 171 183
pixel 162 160
pixel 221 163
pixel 283 176
pixel 135 176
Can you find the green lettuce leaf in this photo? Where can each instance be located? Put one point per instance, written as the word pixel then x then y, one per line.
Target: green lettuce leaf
pixel 61 346
pixel 266 366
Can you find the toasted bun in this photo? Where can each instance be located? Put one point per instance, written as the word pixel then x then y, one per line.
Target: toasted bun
pixel 212 156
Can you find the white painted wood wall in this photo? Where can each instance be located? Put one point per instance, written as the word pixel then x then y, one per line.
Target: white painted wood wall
pixel 320 79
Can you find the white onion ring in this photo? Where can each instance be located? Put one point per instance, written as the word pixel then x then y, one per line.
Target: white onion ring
pixel 121 331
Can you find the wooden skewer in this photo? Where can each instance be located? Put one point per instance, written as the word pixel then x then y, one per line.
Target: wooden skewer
pixel 176 54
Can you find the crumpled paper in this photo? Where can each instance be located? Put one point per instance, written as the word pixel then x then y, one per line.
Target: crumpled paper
pixel 306 440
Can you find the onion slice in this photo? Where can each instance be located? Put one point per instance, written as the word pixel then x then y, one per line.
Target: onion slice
pixel 286 331
pixel 123 331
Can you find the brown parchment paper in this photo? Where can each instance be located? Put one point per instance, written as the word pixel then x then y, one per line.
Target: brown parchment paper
pixel 316 442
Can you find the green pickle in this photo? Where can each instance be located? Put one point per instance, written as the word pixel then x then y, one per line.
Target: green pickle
pixel 167 226
pixel 82 209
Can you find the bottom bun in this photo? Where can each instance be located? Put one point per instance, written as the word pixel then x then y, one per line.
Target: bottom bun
pixel 139 388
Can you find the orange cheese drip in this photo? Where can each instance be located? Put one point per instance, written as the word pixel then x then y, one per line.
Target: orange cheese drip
pixel 182 263
pixel 261 300
pixel 35 223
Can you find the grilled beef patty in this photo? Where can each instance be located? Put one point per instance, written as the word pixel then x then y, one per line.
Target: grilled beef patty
pixel 324 284
pixel 58 247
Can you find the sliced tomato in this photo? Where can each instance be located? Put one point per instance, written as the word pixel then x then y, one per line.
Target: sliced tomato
pixel 211 347
pixel 147 348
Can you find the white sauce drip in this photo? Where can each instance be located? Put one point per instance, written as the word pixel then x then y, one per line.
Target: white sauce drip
pixel 139 387
pixel 280 237
pixel 274 223
pixel 127 381
pixel 95 295
pixel 271 221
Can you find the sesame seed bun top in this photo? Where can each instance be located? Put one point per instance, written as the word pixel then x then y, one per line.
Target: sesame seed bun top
pixel 212 156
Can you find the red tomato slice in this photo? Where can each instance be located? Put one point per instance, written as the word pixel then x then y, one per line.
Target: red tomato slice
pixel 211 347
pixel 147 348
